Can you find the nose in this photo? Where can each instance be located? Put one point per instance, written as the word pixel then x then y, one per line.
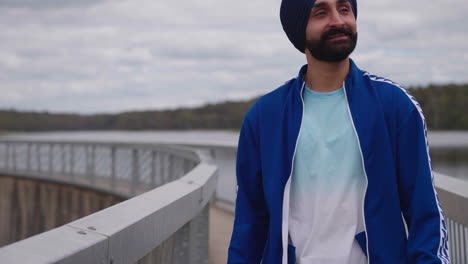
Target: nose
pixel 336 20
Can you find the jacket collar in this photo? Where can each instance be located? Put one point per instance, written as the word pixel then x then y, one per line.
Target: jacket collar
pixel 349 81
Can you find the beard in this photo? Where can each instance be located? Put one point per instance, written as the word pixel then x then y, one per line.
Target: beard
pixel 333 51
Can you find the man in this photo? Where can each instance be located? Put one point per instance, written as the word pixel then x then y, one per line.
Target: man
pixel 333 166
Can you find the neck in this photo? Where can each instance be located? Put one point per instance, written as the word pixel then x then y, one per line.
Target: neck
pixel 324 76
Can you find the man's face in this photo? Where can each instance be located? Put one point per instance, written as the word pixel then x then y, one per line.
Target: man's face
pixel 331 30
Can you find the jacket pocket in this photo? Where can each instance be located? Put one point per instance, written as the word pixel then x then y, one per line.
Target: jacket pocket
pixel 291 254
pixel 361 239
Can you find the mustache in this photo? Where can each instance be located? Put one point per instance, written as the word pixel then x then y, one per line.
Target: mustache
pixel 336 31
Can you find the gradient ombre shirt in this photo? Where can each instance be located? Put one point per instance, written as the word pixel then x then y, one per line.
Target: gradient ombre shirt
pixel 327 185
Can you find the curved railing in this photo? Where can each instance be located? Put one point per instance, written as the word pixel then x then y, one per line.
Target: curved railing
pixel 453 194
pixel 166 223
pixel 124 169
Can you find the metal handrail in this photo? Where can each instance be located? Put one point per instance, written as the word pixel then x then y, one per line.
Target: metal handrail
pixel 453 194
pixel 169 148
pixel 123 233
pixel 101 166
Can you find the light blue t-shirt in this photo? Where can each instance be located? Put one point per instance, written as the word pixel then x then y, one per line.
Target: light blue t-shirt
pixel 327 184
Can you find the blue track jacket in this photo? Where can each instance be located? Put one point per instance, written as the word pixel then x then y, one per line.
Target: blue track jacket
pixel 391 131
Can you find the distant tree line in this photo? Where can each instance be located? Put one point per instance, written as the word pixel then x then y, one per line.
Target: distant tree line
pixel 445 108
pixel 227 115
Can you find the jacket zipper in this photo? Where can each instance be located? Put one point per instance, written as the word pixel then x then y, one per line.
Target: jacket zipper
pixel 363 168
pixel 286 192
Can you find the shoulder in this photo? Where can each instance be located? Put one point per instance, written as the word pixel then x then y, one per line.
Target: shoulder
pixel 392 94
pixel 271 101
pixel 278 95
pixel 385 85
pixel 261 112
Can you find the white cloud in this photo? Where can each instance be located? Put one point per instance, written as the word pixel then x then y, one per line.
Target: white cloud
pixel 109 56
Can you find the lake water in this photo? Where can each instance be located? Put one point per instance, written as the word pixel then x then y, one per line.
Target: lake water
pixel 449 150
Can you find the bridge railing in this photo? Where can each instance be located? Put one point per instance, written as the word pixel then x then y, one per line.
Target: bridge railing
pixel 453 194
pixel 124 169
pixel 167 224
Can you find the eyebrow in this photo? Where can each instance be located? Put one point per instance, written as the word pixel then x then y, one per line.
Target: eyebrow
pixel 323 4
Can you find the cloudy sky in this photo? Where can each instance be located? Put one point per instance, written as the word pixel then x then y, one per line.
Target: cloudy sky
pixel 108 56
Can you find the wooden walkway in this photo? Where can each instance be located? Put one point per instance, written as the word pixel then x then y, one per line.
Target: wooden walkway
pixel 221 222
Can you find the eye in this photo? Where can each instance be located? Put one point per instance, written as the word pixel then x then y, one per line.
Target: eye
pixel 320 13
pixel 344 10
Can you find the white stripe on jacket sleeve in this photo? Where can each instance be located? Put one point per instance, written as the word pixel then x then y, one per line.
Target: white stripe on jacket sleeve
pixel 443 250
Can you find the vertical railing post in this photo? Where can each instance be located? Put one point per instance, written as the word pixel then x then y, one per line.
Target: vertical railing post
pixel 153 169
pixel 113 166
pixel 87 169
pixel 28 156
pixel 176 168
pixel 88 163
pixel 161 165
pixel 450 231
pixel 465 249
pixel 13 155
pixel 86 159
pixel 92 169
pixel 72 162
pixel 135 171
pixel 51 158
pixel 7 154
pixel 459 242
pixel 93 161
pixel 62 160
pixel 171 168
pixel 186 166
pixel 457 252
pixel 38 157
